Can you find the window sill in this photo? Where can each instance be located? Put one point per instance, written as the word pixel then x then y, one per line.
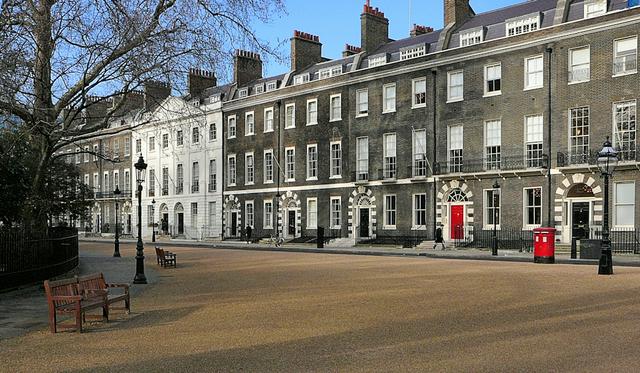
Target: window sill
pixel 389 227
pixel 362 115
pixel 312 179
pixel 335 120
pixel 231 185
pixel 419 106
pixel 530 227
pixel 311 228
pixel 579 82
pixel 492 94
pixel 533 88
pixel 336 227
pixel 268 227
pixel 231 137
pixel 453 100
pixel 268 131
pixel 419 228
pixel 289 128
pixel 490 228
pixel 624 74
pixel 268 182
pixel 335 177
pixel 290 180
pixel 388 112
pixel 248 184
pixel 249 134
pixel 312 124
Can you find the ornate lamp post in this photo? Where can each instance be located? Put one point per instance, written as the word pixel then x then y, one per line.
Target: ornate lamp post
pixel 140 173
pixel 116 243
pixel 607 161
pixel 153 221
pixel 496 200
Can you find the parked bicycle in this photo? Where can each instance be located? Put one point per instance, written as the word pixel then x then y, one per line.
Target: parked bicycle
pixel 276 241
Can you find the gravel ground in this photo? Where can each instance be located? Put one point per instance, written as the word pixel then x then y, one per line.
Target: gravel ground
pixel 225 310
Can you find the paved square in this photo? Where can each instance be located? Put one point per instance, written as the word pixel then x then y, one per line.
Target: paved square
pixel 225 310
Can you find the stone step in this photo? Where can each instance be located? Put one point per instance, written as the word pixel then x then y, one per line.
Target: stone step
pixel 341 242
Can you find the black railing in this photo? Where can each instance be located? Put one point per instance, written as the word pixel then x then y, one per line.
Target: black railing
pixel 590 157
pixel 502 163
pixel 623 240
pixel 109 195
pixel 29 256
pixel 508 238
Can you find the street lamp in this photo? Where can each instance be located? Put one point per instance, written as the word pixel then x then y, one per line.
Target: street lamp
pixel 496 201
pixel 140 173
pixel 153 220
pixel 607 161
pixel 116 243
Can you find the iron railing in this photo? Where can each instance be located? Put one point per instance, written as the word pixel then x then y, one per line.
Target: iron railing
pixel 505 163
pixel 623 240
pixel 590 157
pixel 579 75
pixel 508 238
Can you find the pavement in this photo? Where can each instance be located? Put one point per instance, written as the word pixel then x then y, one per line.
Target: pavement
pixel 627 260
pixel 261 311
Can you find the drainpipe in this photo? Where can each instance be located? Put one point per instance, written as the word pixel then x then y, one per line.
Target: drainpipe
pixel 550 222
pixel 277 202
pixel 434 186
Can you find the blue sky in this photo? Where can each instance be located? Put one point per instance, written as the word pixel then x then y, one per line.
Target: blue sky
pixel 338 22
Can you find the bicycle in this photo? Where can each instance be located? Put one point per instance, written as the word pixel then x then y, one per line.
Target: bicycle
pixel 276 241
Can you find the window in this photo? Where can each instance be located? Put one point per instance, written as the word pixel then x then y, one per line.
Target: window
pixel 194 214
pixel 624 136
pixel 213 132
pixel 86 180
pixel 419 88
pixel 165 140
pixel 492 142
pixel 249 124
pixel 362 102
pixel 493 79
pixel 268 120
pixel 195 177
pixel 127 180
pixel 390 211
pixel 249 213
pixel 312 112
pixel 138 148
pixel 532 207
pixel 290 169
pixel 116 179
pixel 116 148
pixel 522 25
pixel 179 138
pixel 244 92
pixel 312 162
pixel 231 170
pixel 212 215
pixel 290 116
pixel 152 182
pixel 413 52
pixel 624 204
pixel 389 98
pixel 127 146
pixel 300 79
pixel 268 166
pixel 335 112
pixel 195 135
pixel 533 72
pixel 455 85
pixel 336 212
pixel 389 156
pixel 625 56
pixel 377 60
pixel 152 143
pixel 96 182
pixel 362 159
pixel 258 88
pixel 594 8
pixel 471 38
pixel 420 153
pixel 533 140
pixel 86 154
pixel 96 149
pixel 231 126
pixel 268 215
pixel 336 159
pixel 213 176
pixel 272 86
pixel 329 72
pixel 179 179
pixel 492 208
pixel 312 213
pixel 249 174
pixel 165 181
pixel 150 214
pixel 579 65
pixel 579 134
pixel 77 155
pixel 419 211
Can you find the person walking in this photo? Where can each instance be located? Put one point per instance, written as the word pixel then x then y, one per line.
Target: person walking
pixel 248 232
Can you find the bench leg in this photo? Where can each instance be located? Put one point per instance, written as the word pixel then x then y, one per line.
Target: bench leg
pixel 105 312
pixel 52 322
pixel 127 305
pixel 79 318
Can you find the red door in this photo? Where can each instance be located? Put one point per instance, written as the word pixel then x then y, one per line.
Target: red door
pixel 457 222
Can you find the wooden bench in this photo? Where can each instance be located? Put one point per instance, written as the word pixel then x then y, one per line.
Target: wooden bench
pixel 94 285
pixel 166 258
pixel 64 297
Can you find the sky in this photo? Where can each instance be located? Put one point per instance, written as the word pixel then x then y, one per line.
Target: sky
pixel 337 22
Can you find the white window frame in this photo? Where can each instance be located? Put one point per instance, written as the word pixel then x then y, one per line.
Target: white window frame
pixel 386 210
pixel 213 132
pixel 179 138
pixel 414 93
pixel 570 64
pixel 290 121
pixel 413 51
pixel 258 88
pixel 151 143
pixel 232 134
pixel 451 98
pixel 492 164
pixel 86 154
pixel 527 73
pixel 375 61
pixel 332 116
pixel 526 207
pixel 414 214
pixel 571 146
pixel 616 204
pixel 249 172
pixel 332 174
pixel 472 37
pixel 615 57
pixel 389 160
pixel 312 165
pixel 498 92
pixel 522 25
pixel 332 211
pixel 362 161
pixel 386 109
pixel 625 152
pixel 272 86
pixel 250 217
pixel 454 153
pixel 266 126
pixel 243 92
pixel 530 139
pixel 419 157
pixel 312 224
pixel 360 114
pixel 273 167
pixel 232 173
pixel 249 126
pixel 267 216
pixel 599 8
pixel 195 134
pixel 311 121
pixel 301 79
pixel 287 163
pixel 485 213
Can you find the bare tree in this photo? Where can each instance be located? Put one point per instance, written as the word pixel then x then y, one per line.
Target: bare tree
pixel 56 54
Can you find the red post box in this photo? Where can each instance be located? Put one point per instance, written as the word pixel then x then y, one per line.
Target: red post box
pixel 544 245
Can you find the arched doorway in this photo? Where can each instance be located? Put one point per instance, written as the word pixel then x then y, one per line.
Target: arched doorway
pixel 164 219
pixel 581 198
pixel 291 216
pixel 362 210
pixel 179 219
pixel 578 206
pixel 454 210
pixel 232 220
pixel 456 206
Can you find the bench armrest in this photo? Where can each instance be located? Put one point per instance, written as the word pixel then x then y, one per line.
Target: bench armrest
pixel 124 286
pixel 73 298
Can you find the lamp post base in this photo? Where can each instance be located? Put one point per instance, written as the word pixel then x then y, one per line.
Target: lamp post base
pixel 605 266
pixel 140 279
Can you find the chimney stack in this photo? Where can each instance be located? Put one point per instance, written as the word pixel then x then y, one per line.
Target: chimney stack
pixel 247 67
pixel 306 50
pixel 96 108
pixel 199 80
pixel 154 92
pixel 374 28
pixel 457 11
pixel 350 50
pixel 132 100
pixel 420 30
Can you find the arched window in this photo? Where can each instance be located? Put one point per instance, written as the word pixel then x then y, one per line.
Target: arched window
pixel 580 190
pixel 457 195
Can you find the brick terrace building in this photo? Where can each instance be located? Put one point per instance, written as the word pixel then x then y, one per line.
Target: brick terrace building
pixel 399 137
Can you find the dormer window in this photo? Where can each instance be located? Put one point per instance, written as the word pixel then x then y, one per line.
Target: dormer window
pixel 594 8
pixel 301 79
pixel 413 52
pixel 523 25
pixel 471 37
pixel 329 72
pixel 258 89
pixel 244 92
pixel 377 60
pixel 272 86
pixel 214 99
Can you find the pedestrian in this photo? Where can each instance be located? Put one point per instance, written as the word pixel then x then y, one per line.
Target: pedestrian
pixel 439 238
pixel 248 230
